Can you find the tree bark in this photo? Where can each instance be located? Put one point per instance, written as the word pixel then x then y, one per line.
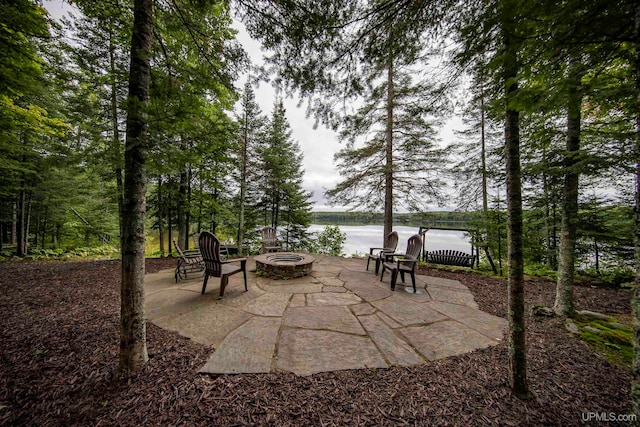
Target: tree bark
pixel 115 142
pixel 21 216
pixel 517 330
pixel 549 218
pixel 388 172
pixel 563 305
pixel 635 382
pixel 160 217
pixel 20 238
pixel 485 193
pixel 133 347
pixel 183 238
pixel 14 225
pixel 187 214
pixel 27 224
pixel 243 183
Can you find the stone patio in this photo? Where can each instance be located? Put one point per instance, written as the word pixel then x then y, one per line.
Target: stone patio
pixel 339 317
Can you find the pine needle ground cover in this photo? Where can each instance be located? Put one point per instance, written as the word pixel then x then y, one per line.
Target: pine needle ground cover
pixel 59 345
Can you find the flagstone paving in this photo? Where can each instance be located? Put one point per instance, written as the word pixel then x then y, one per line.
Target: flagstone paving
pixel 339 317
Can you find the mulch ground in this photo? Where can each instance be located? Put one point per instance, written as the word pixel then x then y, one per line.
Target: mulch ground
pixel 59 338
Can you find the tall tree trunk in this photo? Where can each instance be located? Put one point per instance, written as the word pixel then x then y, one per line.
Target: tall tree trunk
pixel 563 305
pixel 549 220
pixel 133 343
pixel 499 222
pixel 21 238
pixel 183 238
pixel 115 141
pixel 200 202
pixel 44 225
pixel 276 210
pixel 243 183
pixel 19 224
pixel 170 228
pixel 160 217
pixel 14 225
pixel 596 254
pixel 635 382
pixel 187 213
pixel 517 330
pixel 388 169
pixel 485 193
pixel 27 222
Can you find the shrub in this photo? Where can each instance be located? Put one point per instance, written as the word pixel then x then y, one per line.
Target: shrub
pixel 330 241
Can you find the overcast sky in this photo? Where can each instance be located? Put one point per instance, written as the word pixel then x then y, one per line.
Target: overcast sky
pixel 317 145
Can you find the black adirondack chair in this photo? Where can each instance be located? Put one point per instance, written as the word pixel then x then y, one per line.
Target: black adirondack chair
pixel 188 262
pixel 403 263
pixel 216 266
pixel 377 254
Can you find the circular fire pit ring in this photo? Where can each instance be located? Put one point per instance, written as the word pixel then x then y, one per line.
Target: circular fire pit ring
pixel 284 265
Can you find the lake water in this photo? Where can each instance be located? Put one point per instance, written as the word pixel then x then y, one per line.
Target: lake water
pixel 362 237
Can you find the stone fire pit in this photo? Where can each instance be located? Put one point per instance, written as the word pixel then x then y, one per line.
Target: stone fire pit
pixel 284 265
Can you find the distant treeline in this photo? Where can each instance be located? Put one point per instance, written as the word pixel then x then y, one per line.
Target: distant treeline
pixel 444 219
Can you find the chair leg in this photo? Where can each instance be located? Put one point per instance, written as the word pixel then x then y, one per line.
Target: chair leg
pixel 413 281
pixel 377 265
pixel 402 276
pixel 204 284
pixel 382 273
pixel 368 259
pixel 394 278
pixel 223 284
pixel 244 272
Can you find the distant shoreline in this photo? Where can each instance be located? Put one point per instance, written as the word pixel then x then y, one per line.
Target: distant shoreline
pixel 446 219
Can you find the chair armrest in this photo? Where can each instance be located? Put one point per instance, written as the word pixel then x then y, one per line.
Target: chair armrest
pixel 192 254
pixel 192 257
pixel 405 259
pixel 241 260
pixel 388 256
pixel 382 250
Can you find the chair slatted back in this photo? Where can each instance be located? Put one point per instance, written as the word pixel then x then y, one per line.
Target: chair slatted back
pixel 210 250
pixel 269 236
pixel 414 246
pixel 392 241
pixel 178 249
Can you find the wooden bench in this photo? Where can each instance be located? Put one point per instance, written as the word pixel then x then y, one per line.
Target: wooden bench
pixel 450 257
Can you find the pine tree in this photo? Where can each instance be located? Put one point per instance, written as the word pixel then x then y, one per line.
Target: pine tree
pixel 100 53
pixel 251 132
pixel 480 163
pixel 195 56
pixel 26 128
pixel 392 156
pixel 284 201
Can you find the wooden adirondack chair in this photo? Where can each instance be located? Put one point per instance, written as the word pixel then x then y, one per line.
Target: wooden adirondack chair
pixel 270 241
pixel 404 263
pixel 377 254
pixel 216 266
pixel 188 262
